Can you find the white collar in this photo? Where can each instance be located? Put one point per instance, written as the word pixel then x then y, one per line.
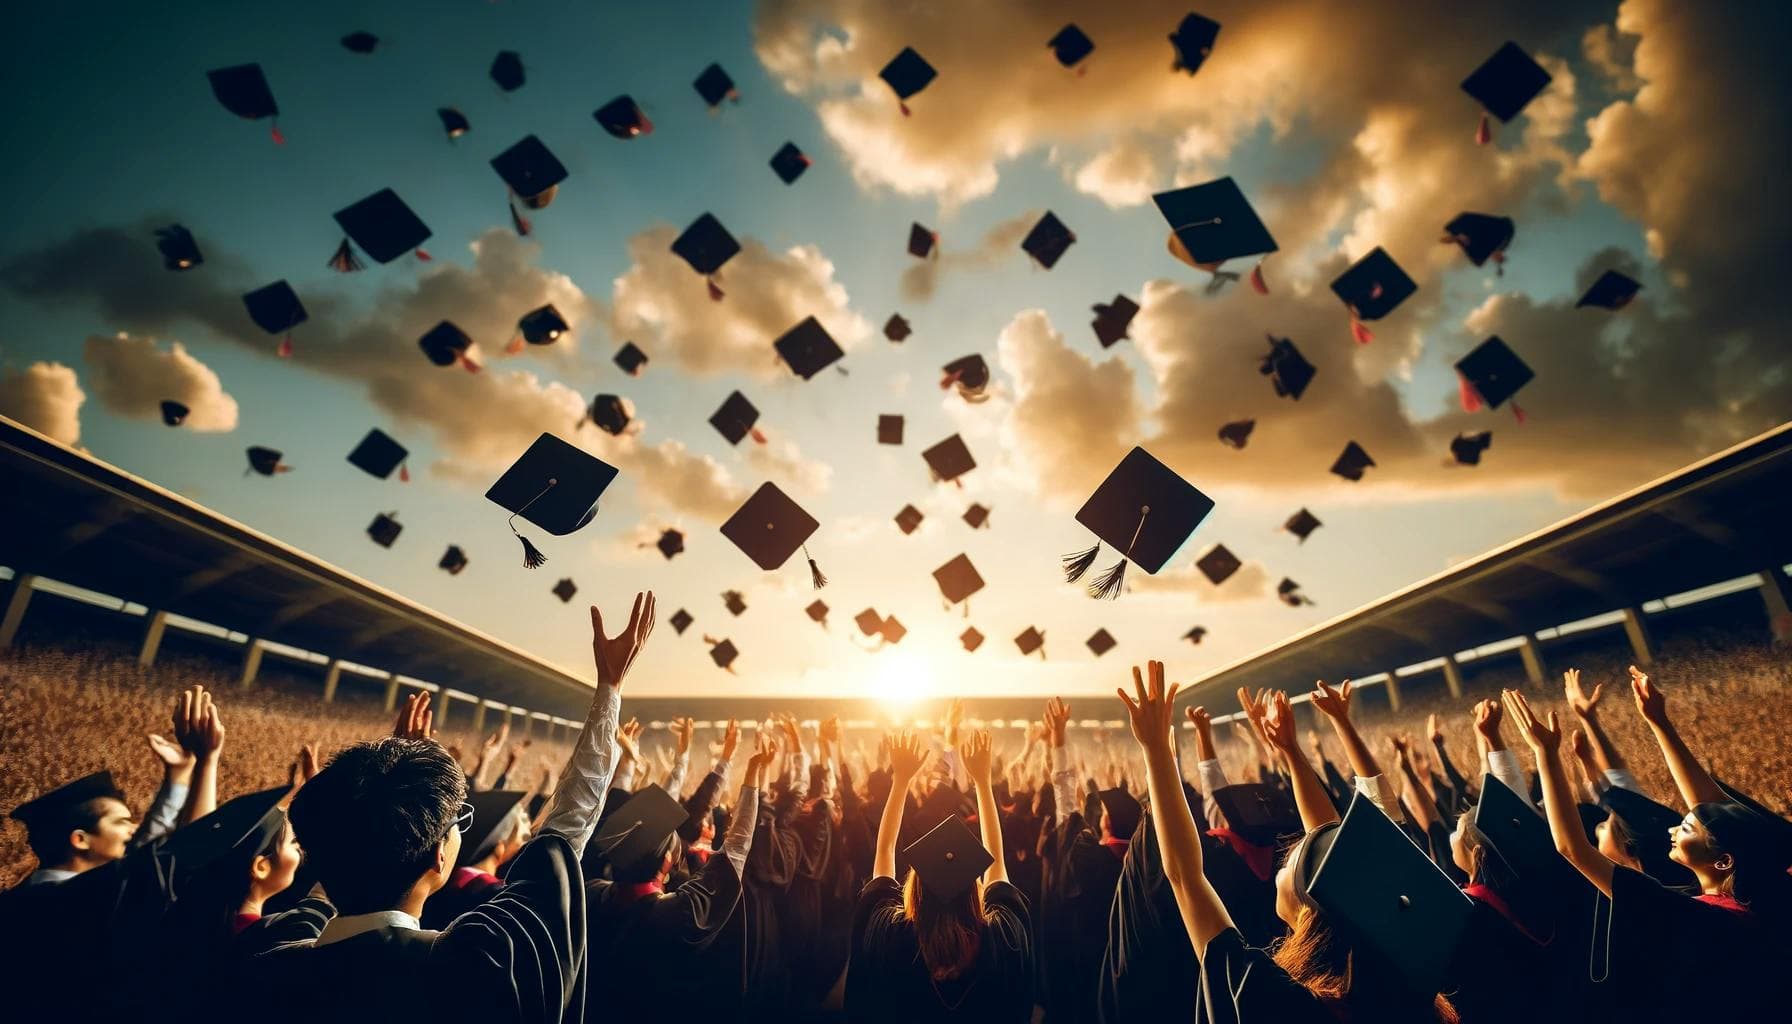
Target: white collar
pixel 42 875
pixel 347 926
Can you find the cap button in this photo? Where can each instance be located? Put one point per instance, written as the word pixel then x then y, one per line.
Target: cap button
pixel 951 856
pixel 1405 902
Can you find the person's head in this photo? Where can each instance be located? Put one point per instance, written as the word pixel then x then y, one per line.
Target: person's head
pixel 653 867
pixel 380 824
pixel 83 835
pixel 1312 952
pixel 1474 855
pixel 1618 842
pixel 1693 846
pixel 948 929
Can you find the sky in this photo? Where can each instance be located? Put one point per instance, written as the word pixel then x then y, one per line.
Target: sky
pixel 1345 134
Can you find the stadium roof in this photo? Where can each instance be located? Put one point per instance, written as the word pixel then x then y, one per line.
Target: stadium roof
pixel 71 517
pixel 1719 518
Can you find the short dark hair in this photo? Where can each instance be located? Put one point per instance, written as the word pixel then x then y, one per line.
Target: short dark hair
pixel 48 836
pixel 370 822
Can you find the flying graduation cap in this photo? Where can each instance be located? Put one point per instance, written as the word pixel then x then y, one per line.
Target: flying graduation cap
pixel 817 612
pixel 360 42
pixel 1193 42
pixel 445 344
pixel 977 515
pixel 893 631
pixel 906 74
pixel 706 245
pixel 735 419
pixel 971 638
pixel 454 123
pixel 243 90
pixel 1101 642
pixel 542 326
pixel 276 309
pixel 1213 223
pixel 1612 290
pixel 565 589
pixel 808 348
pixel 1048 241
pixel 1481 236
pixel 1504 84
pixel 1218 565
pixel 923 242
pixel 1466 449
pixel 908 520
pixel 889 429
pixel 1289 593
pixel 770 528
pixel 1030 640
pixel 681 620
pixel 1145 511
pixel 1287 369
pixel 734 602
pixel 1490 375
pixel 714 86
pixel 534 175
pixel 789 163
pixel 265 461
pixel 623 118
pixel 958 579
pixel 1070 46
pixel 1196 635
pixel 507 70
pixel 179 250
pixel 385 529
pixel 949 459
pixel 174 413
pixel 383 226
pixel 1237 433
pixel 554 485
pixel 896 328
pixel 722 652
pixel 870 623
pixel 1113 319
pixel 378 455
pixel 454 560
pixel 630 359
pixel 1302 524
pixel 970 375
pixel 670 544
pixel 1371 288
pixel 1352 461
pixel 611 413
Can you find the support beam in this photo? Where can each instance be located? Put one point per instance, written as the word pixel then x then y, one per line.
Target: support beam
pixel 439 716
pixel 1453 676
pixel 332 676
pixel 1393 685
pixel 252 651
pixel 479 718
pixel 391 693
pixel 1642 645
pixel 528 724
pixel 18 596
pixel 1534 668
pixel 1775 594
pixel 154 625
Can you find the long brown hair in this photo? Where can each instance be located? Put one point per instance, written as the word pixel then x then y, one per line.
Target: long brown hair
pixel 948 931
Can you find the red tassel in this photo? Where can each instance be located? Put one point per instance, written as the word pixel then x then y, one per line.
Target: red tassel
pixel 1471 399
pixel 467 363
pixel 424 256
pixel 1258 285
pixel 274 130
pixel 645 127
pixel 1518 414
pixel 1361 332
pixel 1499 263
pixel 1483 132
pixel 404 473
pixel 903 106
pixel 282 468
pixel 520 222
pixel 1080 69
pixel 515 347
pixel 757 435
pixel 285 349
pixel 715 290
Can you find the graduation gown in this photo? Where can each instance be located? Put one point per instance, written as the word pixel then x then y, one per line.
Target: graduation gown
pixel 887 982
pixel 1680 958
pixel 1082 876
pixel 519 956
pixel 652 944
pixel 1149 971
pixel 1242 984
pixel 771 866
pixel 467 888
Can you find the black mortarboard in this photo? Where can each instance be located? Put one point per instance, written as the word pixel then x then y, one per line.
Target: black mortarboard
pixel 970 374
pixel 1260 814
pixel 639 828
pixel 1113 319
pixel 893 631
pixel 909 519
pixel 808 348
pixel 1048 241
pixel 1611 291
pixel 445 344
pixel 611 413
pixel 889 429
pixel 1030 640
pixel 1467 448
pixel 385 529
pixel 1517 833
pixel 1218 565
pixel 1481 235
pixel 671 543
pixel 869 622
pixel 1196 634
pixel 453 560
pixel 948 859
pixel 565 589
pixel 896 328
pixel 770 528
pixel 958 579
pixel 243 90
pixel 1390 899
pixel 554 485
pixel 949 459
pixel 174 413
pixel 1237 433
pixel 494 819
pixel 531 170
pixel 1287 369
pixel 1070 45
pixel 921 241
pixel 705 245
pixel 976 515
pixel 971 638
pixel 507 70
pixel 1494 372
pixel 179 250
pixel 1506 81
pixel 714 86
pixel 681 620
pixel 360 42
pixel 723 653
pixel 630 359
pixel 454 123
pixel 906 74
pixel 1289 593
pixel 266 461
pixel 735 419
pixel 817 611
pixel 1143 510
pixel 1373 285
pixel 1213 223
pixel 275 307
pixel 47 809
pixel 1302 523
pixel 623 118
pixel 1352 461
pixel 789 163
pixel 1101 642
pixel 1124 811
pixel 1193 41
pixel 542 326
pixel 233 834
pixel 383 226
pixel 378 454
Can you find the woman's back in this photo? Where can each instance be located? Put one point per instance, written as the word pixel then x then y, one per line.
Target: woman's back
pixel 887 978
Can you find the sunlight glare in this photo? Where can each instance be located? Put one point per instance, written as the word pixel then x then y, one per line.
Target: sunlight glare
pixel 901 679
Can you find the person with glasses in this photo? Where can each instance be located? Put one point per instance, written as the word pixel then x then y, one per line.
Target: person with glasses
pixel 381 827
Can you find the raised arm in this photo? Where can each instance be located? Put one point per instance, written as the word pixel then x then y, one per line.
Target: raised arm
pixel 202 733
pixel 1457 783
pixel 1310 796
pixel 1064 791
pixel 177 777
pixel 1210 775
pixel 1545 741
pixel 1502 763
pixel 975 756
pixel 1585 705
pixel 1335 705
pixel 1692 780
pixel 1422 803
pixel 908 755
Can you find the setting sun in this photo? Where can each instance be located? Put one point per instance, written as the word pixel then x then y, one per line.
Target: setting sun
pixel 902 679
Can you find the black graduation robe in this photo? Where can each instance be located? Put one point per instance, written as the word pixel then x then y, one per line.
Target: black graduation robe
pixel 1081 876
pixel 771 866
pixel 1682 958
pixel 1242 984
pixel 1149 971
pixel 887 982
pixel 649 945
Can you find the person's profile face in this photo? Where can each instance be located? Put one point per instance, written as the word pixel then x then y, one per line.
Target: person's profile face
pixel 1691 845
pixel 286 861
pixel 108 840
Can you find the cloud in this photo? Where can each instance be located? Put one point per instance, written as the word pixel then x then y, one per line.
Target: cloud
pixel 1251 582
pixel 1124 174
pixel 785 465
pixel 1001 242
pixel 133 376
pixel 45 397
pixel 1072 419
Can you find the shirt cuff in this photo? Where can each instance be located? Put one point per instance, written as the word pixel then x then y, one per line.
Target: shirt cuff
pixel 1375 789
pixel 1505 766
pixel 1621 778
pixel 1064 793
pixel 625 776
pixel 721 769
pixel 585 781
pixel 739 841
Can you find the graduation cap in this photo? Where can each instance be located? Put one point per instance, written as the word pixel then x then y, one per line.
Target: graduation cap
pixel 958 579
pixel 1612 290
pixel 534 175
pixel 808 348
pixel 706 245
pixel 817 612
pixel 639 828
pixel 893 631
pixel 1048 241
pixel 949 459
pixel 922 241
pixel 1504 84
pixel 896 328
pixel 494 820
pixel 869 622
pixel 378 455
pixel 1070 45
pixel 243 90
pixel 1289 593
pixel 454 123
pixel 889 429
pixel 1466 449
pixel 179 250
pixel 1124 810
pixel 1193 41
pixel 1030 640
pixel 630 359
pixel 507 70
pixel 265 461
pixel 50 810
pixel 383 226
pixel 360 42
pixel 453 560
pixel 1260 814
pixel 554 485
pixel 542 326
pixel 1237 433
pixel 722 652
pixel 1145 511
pixel 734 602
pixel 971 639
pixel 714 86
pixel 977 515
pixel 611 414
pixel 1371 288
pixel 1482 236
pixel 1490 375
pixel 948 859
pixel 385 529
pixel 1518 835
pixel 174 413
pixel 1301 524
pixel 445 344
pixel 1212 223
pixel 789 163
pixel 226 841
pixel 565 589
pixel 671 543
pixel 735 419
pixel 908 519
pixel 1286 368
pixel 276 309
pixel 681 620
pixel 1195 635
pixel 1218 565
pixel 1113 319
pixel 1352 461
pixel 907 73
pixel 970 375
pixel 1101 642
pixel 623 118
pixel 770 527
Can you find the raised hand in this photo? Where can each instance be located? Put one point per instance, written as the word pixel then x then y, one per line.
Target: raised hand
pixel 954 716
pixel 1402 746
pixel 730 740
pixel 1200 719
pixel 1543 737
pixel 191 712
pixel 1579 699
pixel 415 720
pixel 829 731
pixel 629 739
pixel 682 730
pixel 1151 709
pixel 1487 723
pixel 614 655
pixel 908 754
pixel 208 731
pixel 1649 701
pixel 1278 725
pixel 1333 703
pixel 1057 715
pixel 171 753
pixel 764 749
pixel 975 754
pixel 1433 731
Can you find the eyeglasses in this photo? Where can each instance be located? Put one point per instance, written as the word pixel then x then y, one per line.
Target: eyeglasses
pixel 464 820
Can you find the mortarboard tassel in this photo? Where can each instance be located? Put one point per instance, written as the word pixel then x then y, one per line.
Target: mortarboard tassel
pixel 715 290
pixel 1499 263
pixel 532 556
pixel 815 575
pixel 903 107
pixel 1258 285
pixel 645 127
pixel 284 351
pixel 515 347
pixel 274 132
pixel 423 256
pixel 1518 413
pixel 1360 331
pixel 1106 587
pixel 467 363
pixel 345 260
pixel 1471 399
pixel 404 473
pixel 757 435
pixel 520 222
pixel 1483 132
pixel 1075 565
